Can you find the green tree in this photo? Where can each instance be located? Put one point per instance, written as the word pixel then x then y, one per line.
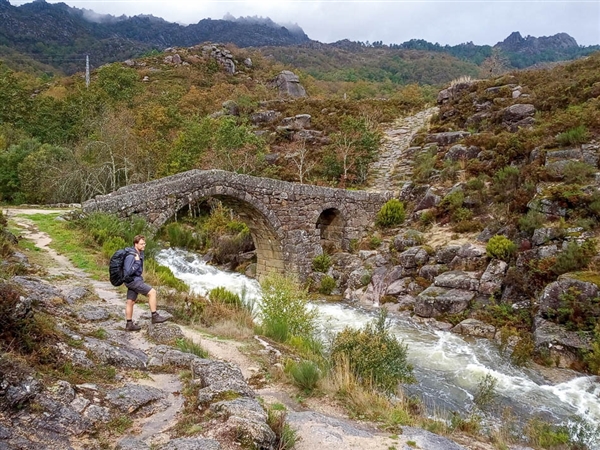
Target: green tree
pixel 40 175
pixel 10 159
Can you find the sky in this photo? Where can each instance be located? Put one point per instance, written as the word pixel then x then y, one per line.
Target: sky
pixel 391 21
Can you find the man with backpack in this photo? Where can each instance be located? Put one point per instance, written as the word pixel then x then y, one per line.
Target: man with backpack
pixel 133 268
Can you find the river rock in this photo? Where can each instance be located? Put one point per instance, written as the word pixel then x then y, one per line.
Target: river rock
pixel 492 278
pixel 552 297
pixel 563 347
pixel 457 279
pixel 474 327
pixel 435 301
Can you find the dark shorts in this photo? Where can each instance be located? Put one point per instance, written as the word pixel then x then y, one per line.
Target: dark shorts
pixel 137 287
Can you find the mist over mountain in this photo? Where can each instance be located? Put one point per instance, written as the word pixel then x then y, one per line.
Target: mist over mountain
pixel 60 36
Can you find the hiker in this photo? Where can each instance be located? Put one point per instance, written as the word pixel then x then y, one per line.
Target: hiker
pixel 132 274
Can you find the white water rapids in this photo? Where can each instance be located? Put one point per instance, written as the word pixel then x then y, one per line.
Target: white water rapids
pixel 448 367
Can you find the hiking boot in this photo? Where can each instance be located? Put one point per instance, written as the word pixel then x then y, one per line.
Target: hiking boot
pixel 157 318
pixel 132 327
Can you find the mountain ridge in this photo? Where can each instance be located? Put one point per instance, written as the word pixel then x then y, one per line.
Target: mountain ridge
pixel 54 34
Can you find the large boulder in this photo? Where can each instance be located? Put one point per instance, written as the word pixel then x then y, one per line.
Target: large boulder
pixel 562 347
pixel 491 280
pixel 435 301
pixel 457 279
pixel 288 84
pixel 557 294
pixel 474 327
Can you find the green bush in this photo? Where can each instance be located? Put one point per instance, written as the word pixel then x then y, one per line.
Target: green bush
pixel 181 236
pixel 305 374
pixel 376 357
pixel 451 202
pixel 531 221
pixel 111 245
pixel 327 285
pixel 321 263
pixel 578 172
pixel 391 214
pixel 222 295
pixel 500 247
pixel 574 136
pixel 574 257
pixel 285 309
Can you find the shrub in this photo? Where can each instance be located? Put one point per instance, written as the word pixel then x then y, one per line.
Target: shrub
pixel 111 245
pixel 376 356
pixel 327 285
pixel 500 247
pixel 486 391
pixel 181 236
pixel 424 165
pixel 374 242
pixel 391 214
pixel 574 136
pixel 574 257
pixel 531 221
pixel 321 263
pixel 285 310
pixel 451 202
pixel 578 172
pixel 305 374
pixel 223 295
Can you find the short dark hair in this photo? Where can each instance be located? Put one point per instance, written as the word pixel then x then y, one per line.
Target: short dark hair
pixel 138 238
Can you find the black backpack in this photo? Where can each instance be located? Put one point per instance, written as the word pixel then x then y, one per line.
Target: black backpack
pixel 115 267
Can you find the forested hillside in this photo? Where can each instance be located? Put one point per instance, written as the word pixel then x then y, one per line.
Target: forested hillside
pixel 63 142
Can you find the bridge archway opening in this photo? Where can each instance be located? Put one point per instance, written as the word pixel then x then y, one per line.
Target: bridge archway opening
pixel 267 242
pixel 331 227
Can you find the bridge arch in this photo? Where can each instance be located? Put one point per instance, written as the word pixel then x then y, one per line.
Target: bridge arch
pixel 331 223
pixel 265 227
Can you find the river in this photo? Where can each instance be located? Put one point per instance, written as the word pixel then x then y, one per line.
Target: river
pixel 448 367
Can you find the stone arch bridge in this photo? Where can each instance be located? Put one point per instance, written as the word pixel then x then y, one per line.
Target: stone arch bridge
pixel 290 223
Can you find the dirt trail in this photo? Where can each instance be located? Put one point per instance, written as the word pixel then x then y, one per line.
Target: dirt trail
pixel 319 424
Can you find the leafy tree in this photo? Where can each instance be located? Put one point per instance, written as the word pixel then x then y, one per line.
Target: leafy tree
pixel 40 175
pixel 117 82
pixel 10 159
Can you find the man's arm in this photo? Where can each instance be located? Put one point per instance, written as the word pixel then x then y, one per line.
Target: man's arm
pixel 128 266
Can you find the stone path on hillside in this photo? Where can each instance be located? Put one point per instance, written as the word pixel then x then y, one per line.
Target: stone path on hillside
pixel 394 165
